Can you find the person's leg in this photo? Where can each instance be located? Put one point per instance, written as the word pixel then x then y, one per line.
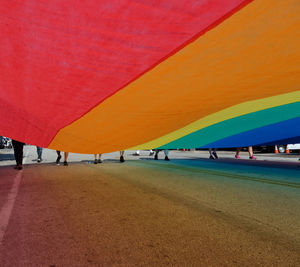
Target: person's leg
pixel 95 160
pixel 100 160
pixel 166 154
pixel 237 156
pixel 215 153
pixel 156 154
pixel 122 156
pixel 58 157
pixel 211 153
pixel 250 150
pixel 18 151
pixel 39 151
pixel 20 155
pixel 15 144
pixel 66 154
pixel 151 152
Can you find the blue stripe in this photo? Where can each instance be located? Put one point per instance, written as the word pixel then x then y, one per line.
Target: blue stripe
pixel 283 132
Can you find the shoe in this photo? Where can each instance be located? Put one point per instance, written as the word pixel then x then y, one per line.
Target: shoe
pixel 136 154
pixel 122 159
pixel 18 167
pixel 100 161
pixel 215 155
pixel 58 159
pixel 151 153
pixel 252 157
pixel 95 161
pixel 156 157
pixel 211 157
pixel 66 163
pixel 38 160
pixel 166 158
pixel 237 156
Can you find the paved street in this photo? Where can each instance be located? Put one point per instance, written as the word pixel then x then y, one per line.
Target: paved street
pixel 190 211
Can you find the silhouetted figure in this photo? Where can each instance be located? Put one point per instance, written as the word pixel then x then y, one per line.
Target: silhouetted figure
pixel 18 151
pixel 39 151
pixel 122 156
pixel 99 160
pixel 213 153
pixel 59 157
pixel 166 151
pixel 250 151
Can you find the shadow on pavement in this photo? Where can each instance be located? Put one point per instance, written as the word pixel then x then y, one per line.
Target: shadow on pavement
pixel 233 162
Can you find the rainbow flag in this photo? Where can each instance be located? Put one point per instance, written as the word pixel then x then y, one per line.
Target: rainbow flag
pixel 100 76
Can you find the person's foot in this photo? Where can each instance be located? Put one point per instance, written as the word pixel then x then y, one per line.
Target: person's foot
pixel 58 159
pixel 215 155
pixel 18 167
pixel 136 153
pixel 99 160
pixel 166 158
pixel 211 157
pixel 122 159
pixel 237 156
pixel 39 160
pixel 151 153
pixel 252 157
pixel 95 161
pixel 66 163
pixel 156 157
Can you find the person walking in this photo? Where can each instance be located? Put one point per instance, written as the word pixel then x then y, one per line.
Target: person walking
pixel 66 154
pixel 18 152
pixel 250 151
pixel 122 156
pixel 39 151
pixel 213 153
pixel 99 160
pixel 166 151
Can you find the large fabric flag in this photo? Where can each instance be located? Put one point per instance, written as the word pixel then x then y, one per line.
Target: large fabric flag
pixel 99 76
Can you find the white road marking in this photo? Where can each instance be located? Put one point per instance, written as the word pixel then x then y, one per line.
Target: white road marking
pixel 7 208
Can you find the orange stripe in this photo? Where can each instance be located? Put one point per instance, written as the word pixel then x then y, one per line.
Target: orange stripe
pixel 252 55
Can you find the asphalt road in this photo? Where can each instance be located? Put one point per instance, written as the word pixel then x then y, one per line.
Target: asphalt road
pixel 189 211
